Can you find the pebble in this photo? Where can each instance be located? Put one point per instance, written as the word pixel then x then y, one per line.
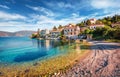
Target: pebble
pixel 35 64
pixel 1 73
pixel 27 70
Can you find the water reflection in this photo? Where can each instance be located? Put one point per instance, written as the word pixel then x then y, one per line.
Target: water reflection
pixel 21 49
pixel 44 48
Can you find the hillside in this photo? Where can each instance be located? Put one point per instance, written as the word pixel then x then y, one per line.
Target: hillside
pixel 19 33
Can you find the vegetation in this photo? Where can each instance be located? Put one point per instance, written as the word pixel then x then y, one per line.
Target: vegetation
pixel 60 27
pixel 54 28
pixel 112 40
pixel 82 24
pixel 109 20
pixel 104 33
pixel 107 32
pixel 36 35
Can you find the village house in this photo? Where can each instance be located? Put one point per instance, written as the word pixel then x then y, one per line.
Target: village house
pixel 71 31
pixel 44 33
pixel 93 21
pixel 54 34
pixel 116 24
pixel 94 25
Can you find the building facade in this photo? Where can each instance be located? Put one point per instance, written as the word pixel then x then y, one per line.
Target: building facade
pixel 54 34
pixel 93 21
pixel 71 31
pixel 44 32
pixel 94 26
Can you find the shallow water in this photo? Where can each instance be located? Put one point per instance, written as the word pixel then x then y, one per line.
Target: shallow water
pixel 24 49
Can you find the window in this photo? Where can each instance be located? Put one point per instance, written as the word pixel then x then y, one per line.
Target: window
pixel 75 29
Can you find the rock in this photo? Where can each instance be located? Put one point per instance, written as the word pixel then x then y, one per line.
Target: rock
pixel 35 64
pixel 16 76
pixel 82 72
pixel 27 70
pixel 76 60
pixel 1 73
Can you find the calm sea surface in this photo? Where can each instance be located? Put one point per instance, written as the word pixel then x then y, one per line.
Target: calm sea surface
pixel 24 49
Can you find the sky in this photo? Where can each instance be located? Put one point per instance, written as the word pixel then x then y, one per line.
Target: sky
pixel 16 15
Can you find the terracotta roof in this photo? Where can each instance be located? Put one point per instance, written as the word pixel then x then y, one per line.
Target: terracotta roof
pixel 92 19
pixel 55 31
pixel 70 26
pixel 96 25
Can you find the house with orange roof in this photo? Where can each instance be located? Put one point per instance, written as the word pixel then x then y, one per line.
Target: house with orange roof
pixel 94 24
pixel 92 21
pixel 54 34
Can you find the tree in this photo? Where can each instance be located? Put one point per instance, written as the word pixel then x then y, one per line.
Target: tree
pixel 54 28
pixel 88 22
pixel 33 36
pixel 60 27
pixel 87 31
pixel 98 22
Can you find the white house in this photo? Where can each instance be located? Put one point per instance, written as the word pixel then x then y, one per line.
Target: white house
pixel 71 31
pixel 54 34
pixel 44 33
pixel 93 21
pixel 94 26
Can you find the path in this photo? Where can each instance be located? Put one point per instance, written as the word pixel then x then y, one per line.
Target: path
pixel 104 61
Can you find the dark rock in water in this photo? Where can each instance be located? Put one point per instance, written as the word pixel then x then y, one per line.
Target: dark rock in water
pixel 35 64
pixel 27 70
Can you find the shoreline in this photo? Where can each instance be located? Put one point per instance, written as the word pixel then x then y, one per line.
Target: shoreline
pixel 73 63
pixel 49 67
pixel 103 61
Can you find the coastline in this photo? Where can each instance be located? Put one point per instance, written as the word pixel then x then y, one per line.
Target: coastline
pixel 49 67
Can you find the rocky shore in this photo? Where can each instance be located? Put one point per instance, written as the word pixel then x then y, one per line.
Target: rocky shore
pixel 104 61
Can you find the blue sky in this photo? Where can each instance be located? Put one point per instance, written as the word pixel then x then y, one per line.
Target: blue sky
pixel 16 15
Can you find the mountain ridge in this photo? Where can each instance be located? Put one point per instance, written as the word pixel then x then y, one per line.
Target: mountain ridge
pixel 17 33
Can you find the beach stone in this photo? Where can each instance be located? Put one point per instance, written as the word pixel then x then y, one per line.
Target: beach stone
pixel 27 70
pixel 16 76
pixel 1 73
pixel 76 60
pixel 35 64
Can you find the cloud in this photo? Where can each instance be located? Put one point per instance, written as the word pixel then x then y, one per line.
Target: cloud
pixel 64 5
pixel 105 4
pixel 8 16
pixel 13 26
pixel 41 9
pixel 4 6
pixel 48 23
pixel 75 14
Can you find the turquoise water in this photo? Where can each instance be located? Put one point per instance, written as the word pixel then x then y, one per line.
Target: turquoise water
pixel 24 49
